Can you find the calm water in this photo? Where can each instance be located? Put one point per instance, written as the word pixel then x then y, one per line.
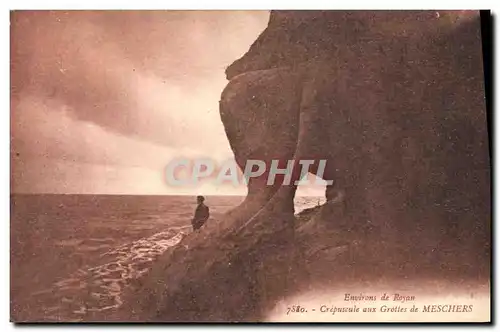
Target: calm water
pixel 72 255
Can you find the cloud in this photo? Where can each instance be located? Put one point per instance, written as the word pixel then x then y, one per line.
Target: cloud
pixel 144 74
pixel 50 149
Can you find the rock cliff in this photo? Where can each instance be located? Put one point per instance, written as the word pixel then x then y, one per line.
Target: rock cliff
pixel 395 102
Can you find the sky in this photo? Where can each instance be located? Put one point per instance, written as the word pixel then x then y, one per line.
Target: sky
pixel 101 101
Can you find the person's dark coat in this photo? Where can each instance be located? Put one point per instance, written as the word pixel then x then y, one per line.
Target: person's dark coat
pixel 201 215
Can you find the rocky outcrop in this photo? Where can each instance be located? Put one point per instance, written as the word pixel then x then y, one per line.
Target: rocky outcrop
pixel 395 103
pixel 399 115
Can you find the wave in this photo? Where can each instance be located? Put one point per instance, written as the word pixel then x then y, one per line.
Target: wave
pixel 100 288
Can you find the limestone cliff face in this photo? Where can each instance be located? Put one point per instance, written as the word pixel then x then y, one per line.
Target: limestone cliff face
pixel 396 99
pixel 395 103
pixel 293 37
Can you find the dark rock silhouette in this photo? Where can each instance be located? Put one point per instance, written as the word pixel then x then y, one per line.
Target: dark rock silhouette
pixel 400 119
pixel 395 102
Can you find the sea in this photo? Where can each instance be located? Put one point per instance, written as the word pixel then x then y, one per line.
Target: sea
pixel 75 255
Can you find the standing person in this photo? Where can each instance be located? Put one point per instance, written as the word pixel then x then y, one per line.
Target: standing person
pixel 201 214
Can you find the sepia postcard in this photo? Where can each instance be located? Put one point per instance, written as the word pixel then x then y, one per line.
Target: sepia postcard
pixel 250 166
